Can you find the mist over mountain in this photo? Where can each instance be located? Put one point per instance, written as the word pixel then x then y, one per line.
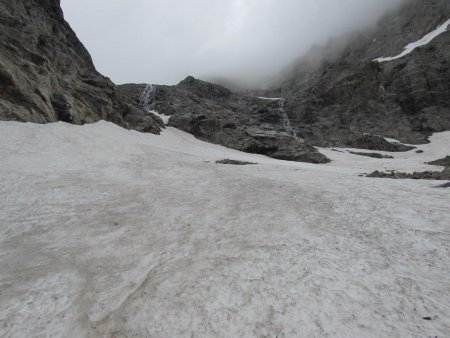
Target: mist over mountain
pixel 244 41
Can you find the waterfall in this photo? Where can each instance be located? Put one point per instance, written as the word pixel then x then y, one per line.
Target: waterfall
pixel 286 122
pixel 146 97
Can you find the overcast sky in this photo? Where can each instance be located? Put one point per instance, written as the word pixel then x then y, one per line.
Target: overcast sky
pixel 163 41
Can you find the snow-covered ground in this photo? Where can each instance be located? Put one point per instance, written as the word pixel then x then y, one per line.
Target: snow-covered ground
pixel 422 42
pixel 106 232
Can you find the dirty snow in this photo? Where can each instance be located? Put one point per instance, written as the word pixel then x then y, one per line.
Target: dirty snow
pixel 422 42
pixel 108 232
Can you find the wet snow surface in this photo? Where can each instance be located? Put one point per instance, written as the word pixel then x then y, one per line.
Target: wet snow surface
pixel 108 232
pixel 422 42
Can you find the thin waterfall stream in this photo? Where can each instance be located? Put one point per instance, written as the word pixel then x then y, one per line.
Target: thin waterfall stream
pixel 286 121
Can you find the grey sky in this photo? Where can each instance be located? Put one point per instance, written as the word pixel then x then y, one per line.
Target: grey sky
pixel 162 41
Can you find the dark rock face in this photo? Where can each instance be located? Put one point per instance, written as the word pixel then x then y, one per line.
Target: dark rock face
pixel 47 75
pixel 336 94
pixel 213 113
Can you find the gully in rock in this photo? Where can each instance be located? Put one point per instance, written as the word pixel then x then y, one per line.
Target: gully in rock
pixel 146 97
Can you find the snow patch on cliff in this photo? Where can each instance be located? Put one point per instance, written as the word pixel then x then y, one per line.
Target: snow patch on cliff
pixel 422 42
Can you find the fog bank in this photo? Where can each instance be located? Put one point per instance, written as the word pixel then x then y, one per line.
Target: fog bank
pixel 242 40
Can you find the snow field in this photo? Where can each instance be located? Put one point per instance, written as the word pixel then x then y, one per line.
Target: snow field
pixel 108 232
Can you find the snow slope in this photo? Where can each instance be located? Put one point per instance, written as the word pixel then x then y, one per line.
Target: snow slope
pixel 422 42
pixel 106 232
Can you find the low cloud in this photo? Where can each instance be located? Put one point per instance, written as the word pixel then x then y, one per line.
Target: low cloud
pixel 156 41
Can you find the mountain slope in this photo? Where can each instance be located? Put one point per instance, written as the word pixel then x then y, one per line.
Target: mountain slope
pixel 47 75
pixel 337 95
pixel 348 94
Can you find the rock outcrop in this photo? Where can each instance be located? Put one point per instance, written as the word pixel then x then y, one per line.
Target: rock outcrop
pixel 47 75
pixel 373 155
pixel 425 175
pixel 234 162
pixel 443 162
pixel 213 113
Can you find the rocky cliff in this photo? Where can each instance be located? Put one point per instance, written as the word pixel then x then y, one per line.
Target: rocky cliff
pixel 47 75
pixel 337 94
